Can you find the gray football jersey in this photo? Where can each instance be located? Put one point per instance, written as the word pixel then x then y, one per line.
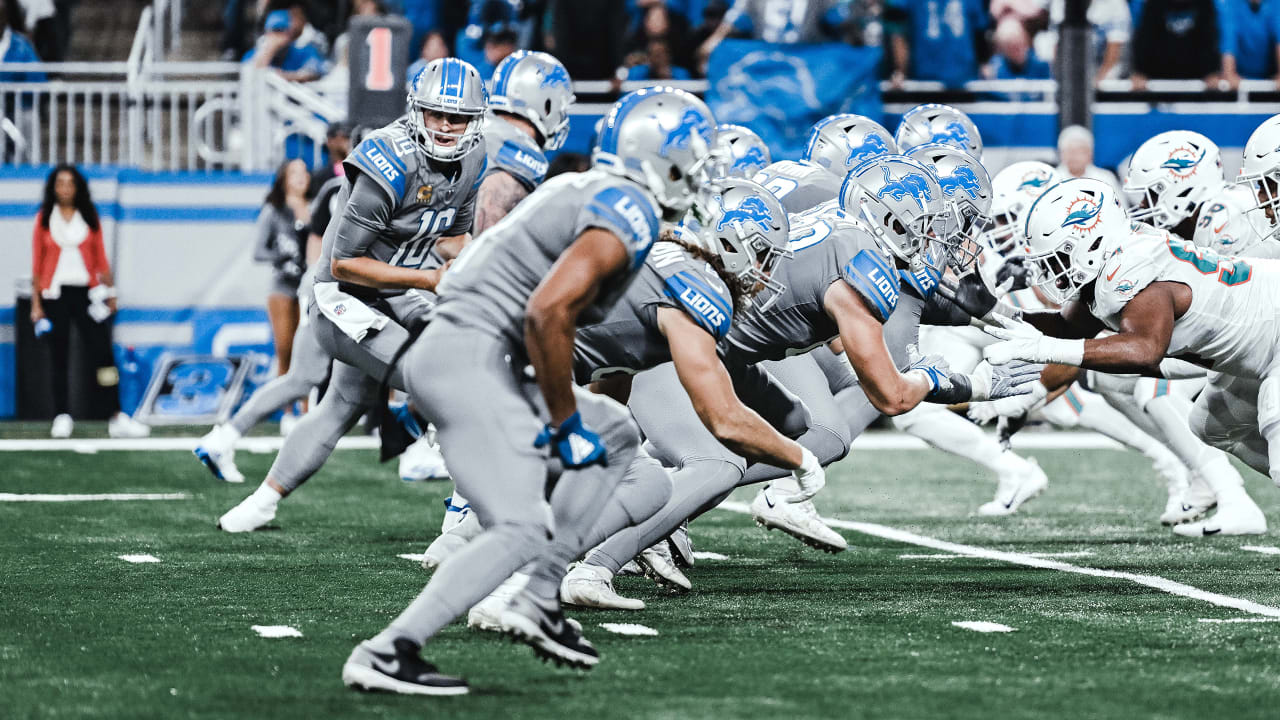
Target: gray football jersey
pixel 513 152
pixel 489 284
pixel 628 339
pixel 826 251
pixel 799 185
pixel 424 201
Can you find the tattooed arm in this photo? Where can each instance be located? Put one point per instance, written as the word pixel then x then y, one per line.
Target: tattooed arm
pixel 499 193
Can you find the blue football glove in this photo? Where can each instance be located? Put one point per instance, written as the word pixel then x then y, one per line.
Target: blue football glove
pixel 576 446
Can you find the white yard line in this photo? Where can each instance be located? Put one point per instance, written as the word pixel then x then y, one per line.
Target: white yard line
pixel 1264 549
pixel 629 629
pixel 139 558
pixel 948 556
pixel 877 440
pixel 416 557
pixel 1151 581
pixel 98 497
pixel 1240 620
pixel 277 631
pixel 982 626
pixel 704 555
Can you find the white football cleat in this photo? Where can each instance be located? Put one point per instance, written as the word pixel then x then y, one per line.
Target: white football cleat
pixel 217 450
pixel 487 614
pixel 631 568
pixel 682 546
pixel 62 426
pixel 1237 515
pixel 659 567
pixel 460 526
pixel 123 426
pixel 1190 502
pixel 799 520
pixel 252 513
pixel 422 461
pixel 1016 488
pixel 592 586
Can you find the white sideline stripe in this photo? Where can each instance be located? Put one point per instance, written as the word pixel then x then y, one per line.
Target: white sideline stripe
pixel 277 631
pixel 701 555
pixel 139 558
pixel 948 556
pixel 1239 620
pixel 629 629
pixel 1151 581
pixel 878 440
pixel 1264 549
pixel 41 497
pixel 982 626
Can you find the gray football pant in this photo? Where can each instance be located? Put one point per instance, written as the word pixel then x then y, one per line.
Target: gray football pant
pixel 353 388
pixel 706 471
pixel 308 367
pixel 487 413
pixel 1225 415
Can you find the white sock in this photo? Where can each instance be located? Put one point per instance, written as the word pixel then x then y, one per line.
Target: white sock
pixel 951 433
pixel 265 496
pixel 785 485
pixel 229 433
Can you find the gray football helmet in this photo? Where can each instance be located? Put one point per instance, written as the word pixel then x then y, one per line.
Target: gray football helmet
pixel 934 123
pixel 966 189
pixel 450 86
pixel 839 143
pixel 748 231
pixel 662 139
pixel 536 87
pixel 739 152
pixel 901 204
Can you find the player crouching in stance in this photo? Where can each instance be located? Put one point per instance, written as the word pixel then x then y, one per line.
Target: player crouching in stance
pixel 1162 297
pixel 536 456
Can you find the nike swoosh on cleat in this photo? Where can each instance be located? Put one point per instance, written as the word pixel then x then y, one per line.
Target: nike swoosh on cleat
pixel 384 667
pixel 1187 508
pixel 767 501
pixel 1214 531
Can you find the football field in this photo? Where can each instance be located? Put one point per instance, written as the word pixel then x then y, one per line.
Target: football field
pixel 1079 606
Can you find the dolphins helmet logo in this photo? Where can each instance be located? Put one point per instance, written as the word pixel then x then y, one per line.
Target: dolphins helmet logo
pixel 556 76
pixel 872 146
pixel 752 209
pixel 1183 162
pixel 953 134
pixel 909 185
pixel 1033 181
pixel 963 179
pixel 1084 214
pixel 691 122
pixel 752 159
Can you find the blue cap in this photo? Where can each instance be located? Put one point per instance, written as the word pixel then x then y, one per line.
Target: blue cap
pixel 277 21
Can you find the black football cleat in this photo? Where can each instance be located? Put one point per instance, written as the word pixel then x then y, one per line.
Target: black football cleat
pixel 403 671
pixel 551 635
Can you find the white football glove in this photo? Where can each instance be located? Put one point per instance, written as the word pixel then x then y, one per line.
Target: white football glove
pixel 810 476
pixel 984 412
pixel 1022 341
pixel 993 382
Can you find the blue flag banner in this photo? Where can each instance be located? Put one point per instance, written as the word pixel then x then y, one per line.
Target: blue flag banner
pixel 780 91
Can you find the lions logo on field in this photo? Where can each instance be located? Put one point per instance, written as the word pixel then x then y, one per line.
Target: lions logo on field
pixel 1083 214
pixel 752 210
pixel 784 79
pixel 1034 181
pixel 679 136
pixel 872 146
pixel 963 179
pixel 909 185
pixel 1183 162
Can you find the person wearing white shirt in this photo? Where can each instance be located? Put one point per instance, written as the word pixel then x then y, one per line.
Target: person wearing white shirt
pixel 1075 157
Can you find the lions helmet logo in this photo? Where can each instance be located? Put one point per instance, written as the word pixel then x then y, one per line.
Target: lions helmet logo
pixel 678 138
pixel 556 76
pixel 872 146
pixel 1084 214
pixel 909 185
pixel 963 179
pixel 1183 162
pixel 953 134
pixel 752 210
pixel 752 159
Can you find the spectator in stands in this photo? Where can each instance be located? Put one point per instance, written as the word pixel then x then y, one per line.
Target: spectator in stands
pixel 275 49
pixel 706 25
pixel 658 21
pixel 282 241
pixel 16 48
pixel 654 64
pixel 1251 39
pixel 584 36
pixel 781 21
pixel 1176 40
pixel 337 143
pixel 71 285
pixel 1014 58
pixel 491 34
pixel 1112 28
pixel 940 40
pixel 233 30
pixel 305 35
pixel 1075 157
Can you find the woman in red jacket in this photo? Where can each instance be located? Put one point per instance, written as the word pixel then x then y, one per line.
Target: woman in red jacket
pixel 70 273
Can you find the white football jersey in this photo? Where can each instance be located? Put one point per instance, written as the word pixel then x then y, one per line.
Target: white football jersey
pixel 1227 228
pixel 1233 324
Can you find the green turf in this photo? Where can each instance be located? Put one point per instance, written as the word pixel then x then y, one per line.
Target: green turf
pixel 776 631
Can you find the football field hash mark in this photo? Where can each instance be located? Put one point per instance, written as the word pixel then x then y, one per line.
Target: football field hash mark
pixel 89 497
pixel 702 555
pixel 629 629
pixel 1264 549
pixel 411 556
pixel 1151 581
pixel 982 626
pixel 139 558
pixel 277 631
pixel 1239 620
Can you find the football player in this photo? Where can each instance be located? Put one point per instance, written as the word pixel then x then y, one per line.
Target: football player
pixel 936 123
pixel 836 145
pixel 739 152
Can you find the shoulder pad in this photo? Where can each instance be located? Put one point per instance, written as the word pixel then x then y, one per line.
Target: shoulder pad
pixel 381 157
pixel 628 213
pixel 523 161
pixel 870 274
pixel 695 292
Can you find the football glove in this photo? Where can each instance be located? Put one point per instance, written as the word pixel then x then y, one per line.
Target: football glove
pixel 574 444
pixel 1022 341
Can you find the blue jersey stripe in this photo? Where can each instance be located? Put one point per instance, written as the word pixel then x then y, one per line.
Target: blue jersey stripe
pixel 870 275
pixel 705 288
pixel 391 155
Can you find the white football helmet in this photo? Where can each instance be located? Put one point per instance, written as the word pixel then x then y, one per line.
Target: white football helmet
pixel 1014 189
pixel 1070 230
pixel 966 190
pixel 1261 168
pixel 900 202
pixel 739 152
pixel 934 123
pixel 453 87
pixel 748 231
pixel 536 87
pixel 1175 172
pixel 661 138
pixel 839 143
